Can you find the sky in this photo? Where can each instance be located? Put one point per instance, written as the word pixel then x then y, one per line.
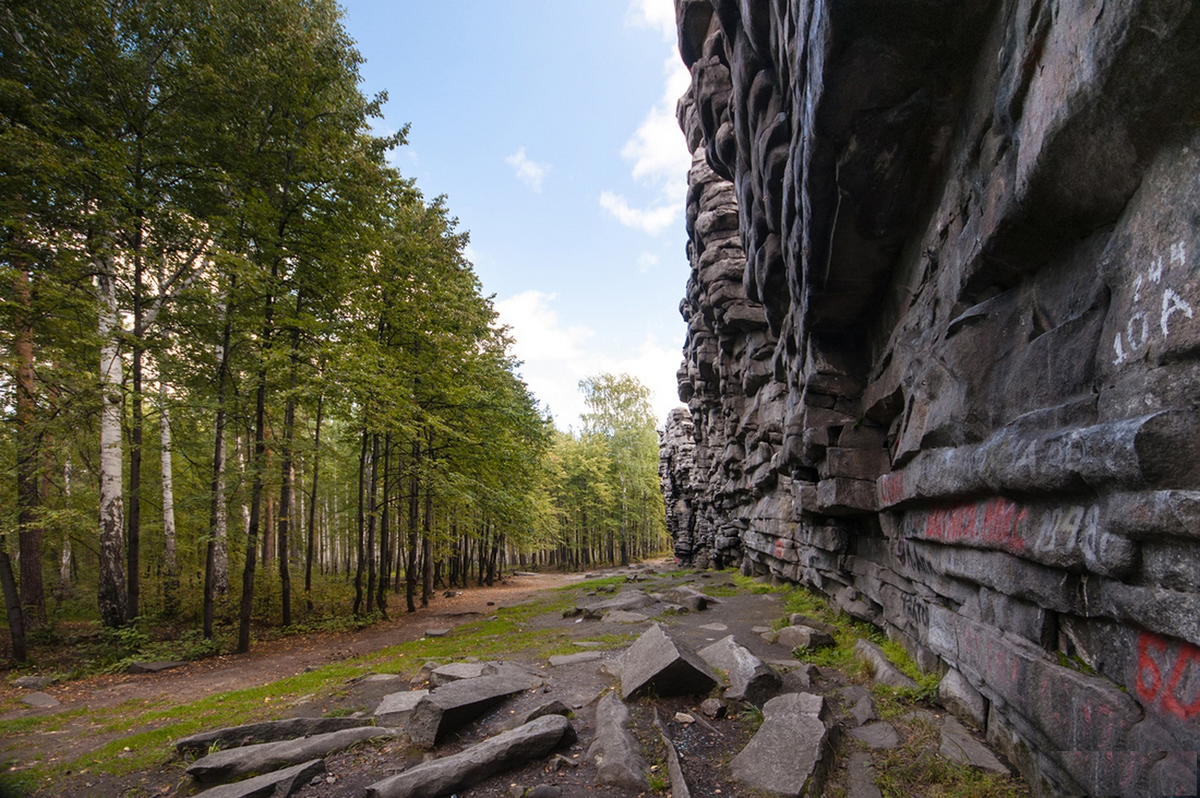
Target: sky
pixel 549 125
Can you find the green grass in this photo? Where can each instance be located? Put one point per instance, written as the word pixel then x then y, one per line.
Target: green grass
pixel 916 770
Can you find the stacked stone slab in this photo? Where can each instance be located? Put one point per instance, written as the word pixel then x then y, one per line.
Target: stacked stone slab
pixel 942 344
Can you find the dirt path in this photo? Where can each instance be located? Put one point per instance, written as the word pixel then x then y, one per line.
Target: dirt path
pixel 269 661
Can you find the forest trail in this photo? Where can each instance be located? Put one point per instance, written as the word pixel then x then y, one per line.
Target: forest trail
pixel 267 662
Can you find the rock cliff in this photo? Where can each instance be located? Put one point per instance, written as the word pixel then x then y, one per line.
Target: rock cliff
pixel 942 347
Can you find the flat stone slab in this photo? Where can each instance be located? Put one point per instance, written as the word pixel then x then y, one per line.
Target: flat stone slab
pixel 267 732
pixel 264 757
pixel 627 600
pixel 623 616
pixel 877 735
pixel 279 784
pixel 750 679
pixel 660 663
pixel 394 709
pixel 786 756
pixel 714 627
pixel 559 660
pixel 452 705
pixel 860 777
pixel 444 776
pixel 436 632
pixel 153 667
pixel 960 746
pixel 615 751
pixel 455 671
pixel 40 700
pixel 884 671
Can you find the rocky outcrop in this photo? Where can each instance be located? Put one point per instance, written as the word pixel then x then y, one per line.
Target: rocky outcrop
pixel 942 348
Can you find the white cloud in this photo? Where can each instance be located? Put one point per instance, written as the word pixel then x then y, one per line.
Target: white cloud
pixel 658 14
pixel 647 261
pixel 659 155
pixel 531 173
pixel 556 355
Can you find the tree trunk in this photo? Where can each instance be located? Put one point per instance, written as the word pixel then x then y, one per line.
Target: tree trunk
pixel 312 506
pixel 371 510
pixel 414 488
pixel 385 554
pixel 64 560
pixel 427 549
pixel 170 556
pixel 111 588
pixel 29 524
pixel 216 554
pixel 361 561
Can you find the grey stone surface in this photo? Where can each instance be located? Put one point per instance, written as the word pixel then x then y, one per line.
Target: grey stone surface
pixel 626 600
pixel 614 750
pixel 883 671
pixel 153 667
pixel 452 672
pixel 266 732
pixel 438 632
pixel 624 616
pixel 277 784
pixel 803 637
pixel 509 749
pixel 452 705
pixel 560 660
pixel 679 785
pixel 33 682
pixel 860 777
pixel 864 711
pixel 659 662
pixel 555 707
pixel 394 710
pixel 689 597
pixel 960 746
pixel 234 763
pixel 750 679
pixel 958 696
pixel 40 700
pixel 787 755
pixel 877 735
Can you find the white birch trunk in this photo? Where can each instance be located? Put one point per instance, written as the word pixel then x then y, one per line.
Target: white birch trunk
pixel 221 527
pixel 64 560
pixel 112 595
pixel 168 487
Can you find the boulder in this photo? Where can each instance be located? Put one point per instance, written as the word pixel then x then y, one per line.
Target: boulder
pixel 788 754
pixel 961 698
pixel 451 705
pixel 627 600
pixel 959 746
pixel 616 752
pixel 444 674
pixel 279 784
pixel 688 597
pixel 394 710
pixel 267 732
pixel 659 663
pixel 237 762
pixel 750 679
pixel 504 751
pixel 803 637
pixel 153 667
pixel 40 700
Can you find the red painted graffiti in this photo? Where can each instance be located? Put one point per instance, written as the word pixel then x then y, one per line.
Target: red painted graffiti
pixel 891 488
pixel 995 522
pixel 1169 678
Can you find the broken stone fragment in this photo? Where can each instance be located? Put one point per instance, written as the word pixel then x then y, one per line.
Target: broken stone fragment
pixel 509 749
pixel 959 746
pixel 393 711
pixel 444 674
pixel 659 663
pixel 452 705
pixel 877 735
pixel 787 755
pixel 750 679
pixel 264 757
pixel 804 638
pixel 616 752
pixel 279 784
pixel 153 667
pixel 267 732
pixel 883 671
pixel 628 601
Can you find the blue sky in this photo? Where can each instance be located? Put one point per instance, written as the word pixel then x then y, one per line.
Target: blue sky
pixel 549 125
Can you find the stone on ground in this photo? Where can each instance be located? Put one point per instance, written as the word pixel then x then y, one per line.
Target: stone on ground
pixel 279 784
pixel 865 711
pixel 750 679
pixel 554 707
pixel 393 711
pixel 884 671
pixel 153 667
pixel 959 746
pixel 877 735
pixel 961 698
pixel 264 757
pixel 616 752
pixel 797 619
pixel 268 732
pixel 559 660
pixel 803 637
pixel 33 682
pixel 450 706
pixel 622 616
pixel 787 755
pixel 860 777
pixel 509 749
pixel 688 597
pixel 440 632
pixel 679 787
pixel 455 671
pixel 40 700
pixel 627 600
pixel 659 663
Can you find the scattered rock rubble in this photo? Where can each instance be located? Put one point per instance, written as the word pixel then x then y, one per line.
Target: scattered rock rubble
pixel 657 701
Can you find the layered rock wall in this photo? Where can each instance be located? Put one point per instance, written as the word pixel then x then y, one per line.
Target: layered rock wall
pixel 943 329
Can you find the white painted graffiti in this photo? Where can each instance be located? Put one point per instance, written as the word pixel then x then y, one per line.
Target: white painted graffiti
pixel 1139 327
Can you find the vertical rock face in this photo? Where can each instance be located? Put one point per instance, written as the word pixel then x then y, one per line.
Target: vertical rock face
pixel 941 364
